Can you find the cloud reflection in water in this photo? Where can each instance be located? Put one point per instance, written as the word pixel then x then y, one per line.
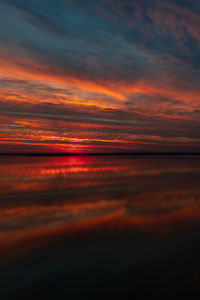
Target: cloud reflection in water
pixel 99 226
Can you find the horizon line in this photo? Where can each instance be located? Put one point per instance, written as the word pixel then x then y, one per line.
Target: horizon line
pixel 93 154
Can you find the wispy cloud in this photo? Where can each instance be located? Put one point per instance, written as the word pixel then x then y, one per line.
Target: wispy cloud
pixel 104 75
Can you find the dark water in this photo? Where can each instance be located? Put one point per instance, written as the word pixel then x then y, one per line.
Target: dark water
pixel 99 227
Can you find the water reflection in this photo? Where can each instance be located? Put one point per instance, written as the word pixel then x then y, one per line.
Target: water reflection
pixel 99 226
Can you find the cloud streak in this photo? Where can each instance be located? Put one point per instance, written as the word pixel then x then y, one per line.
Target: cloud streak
pixel 103 76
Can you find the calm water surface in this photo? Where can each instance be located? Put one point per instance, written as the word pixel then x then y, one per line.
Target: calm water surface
pixel 99 227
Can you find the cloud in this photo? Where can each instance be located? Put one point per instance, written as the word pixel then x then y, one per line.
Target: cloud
pixel 132 66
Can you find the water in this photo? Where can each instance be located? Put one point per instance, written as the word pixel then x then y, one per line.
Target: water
pixel 98 227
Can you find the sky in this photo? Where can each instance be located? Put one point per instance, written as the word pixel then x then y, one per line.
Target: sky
pixel 99 76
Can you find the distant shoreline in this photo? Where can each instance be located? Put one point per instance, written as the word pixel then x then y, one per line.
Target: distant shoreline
pixel 102 154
